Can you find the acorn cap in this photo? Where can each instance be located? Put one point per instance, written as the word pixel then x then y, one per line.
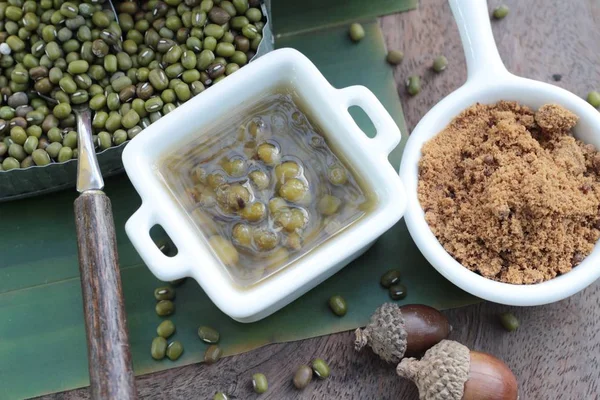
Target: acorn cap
pixel 442 372
pixel 385 333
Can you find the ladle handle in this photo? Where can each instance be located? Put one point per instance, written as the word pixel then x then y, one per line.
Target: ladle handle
pixel 473 20
pixel 109 359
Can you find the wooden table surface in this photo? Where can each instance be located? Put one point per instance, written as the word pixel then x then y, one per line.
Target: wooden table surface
pixel 555 352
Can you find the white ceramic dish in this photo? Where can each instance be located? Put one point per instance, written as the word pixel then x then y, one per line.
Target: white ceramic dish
pixel 329 107
pixel 488 82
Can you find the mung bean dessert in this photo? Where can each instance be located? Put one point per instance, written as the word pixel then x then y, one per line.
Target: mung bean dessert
pixel 264 187
pixel 132 72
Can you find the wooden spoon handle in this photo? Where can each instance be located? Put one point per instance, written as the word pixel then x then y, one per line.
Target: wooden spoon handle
pixel 109 359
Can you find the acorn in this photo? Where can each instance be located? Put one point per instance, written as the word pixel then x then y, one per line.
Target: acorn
pixel 450 371
pixel 394 331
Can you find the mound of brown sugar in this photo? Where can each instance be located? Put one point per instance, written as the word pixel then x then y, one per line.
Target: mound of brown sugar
pixel 510 193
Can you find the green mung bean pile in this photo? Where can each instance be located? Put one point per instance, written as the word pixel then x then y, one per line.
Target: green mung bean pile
pixel 132 72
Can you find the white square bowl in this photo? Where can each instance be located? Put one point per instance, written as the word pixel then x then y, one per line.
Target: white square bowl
pixel 329 108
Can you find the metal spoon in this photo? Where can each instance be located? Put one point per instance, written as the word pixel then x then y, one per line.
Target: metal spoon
pixel 109 358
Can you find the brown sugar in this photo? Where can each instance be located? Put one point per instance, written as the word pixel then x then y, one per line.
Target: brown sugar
pixel 510 193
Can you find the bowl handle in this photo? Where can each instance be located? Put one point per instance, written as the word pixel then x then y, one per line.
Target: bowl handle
pixel 163 267
pixel 483 60
pixel 388 134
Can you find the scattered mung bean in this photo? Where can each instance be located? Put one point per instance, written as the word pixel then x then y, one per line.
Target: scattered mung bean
pixel 397 291
pixel 593 98
pixel 165 329
pixel 302 377
pixel 440 63
pixel 413 85
pixel 208 334
pixel 338 305
pixel 390 277
pixel 165 307
pixel 395 57
pixel 357 32
pixel 164 293
pixel 260 383
pixel 174 350
pixel 320 368
pixel 213 354
pixel 509 321
pixel 500 12
pixel 158 349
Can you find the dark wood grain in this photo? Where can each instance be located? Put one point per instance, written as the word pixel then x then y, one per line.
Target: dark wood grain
pixel 109 359
pixel 555 352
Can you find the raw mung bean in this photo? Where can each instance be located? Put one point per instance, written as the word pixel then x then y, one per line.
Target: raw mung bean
pixel 119 136
pixel 18 135
pixel 65 154
pixel 78 67
pixel 338 305
pixel 73 52
pixel 113 122
pixel 302 377
pixel 70 140
pixel 165 329
pixel 357 32
pixel 395 57
pixel 509 321
pixel 30 144
pixel 500 12
pixel 413 85
pixel 174 350
pixel 390 277
pixel 212 354
pixel 158 350
pixel 165 307
pixel 260 383
pixel 440 63
pixel 130 119
pixel 164 293
pixel 10 163
pixel 104 140
pixel 183 92
pixel 27 162
pixel 397 291
pixel 231 68
pixel 154 104
pixel 593 98
pixel 53 149
pixel 208 334
pixel 320 368
pixel 16 151
pixel 40 157
pixel 250 31
pixel 62 111
pixel 113 102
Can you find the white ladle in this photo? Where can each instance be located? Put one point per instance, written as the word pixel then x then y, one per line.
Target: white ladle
pixel 488 81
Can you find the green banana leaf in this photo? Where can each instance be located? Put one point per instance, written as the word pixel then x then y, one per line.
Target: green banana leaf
pixel 42 334
pixel 293 16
